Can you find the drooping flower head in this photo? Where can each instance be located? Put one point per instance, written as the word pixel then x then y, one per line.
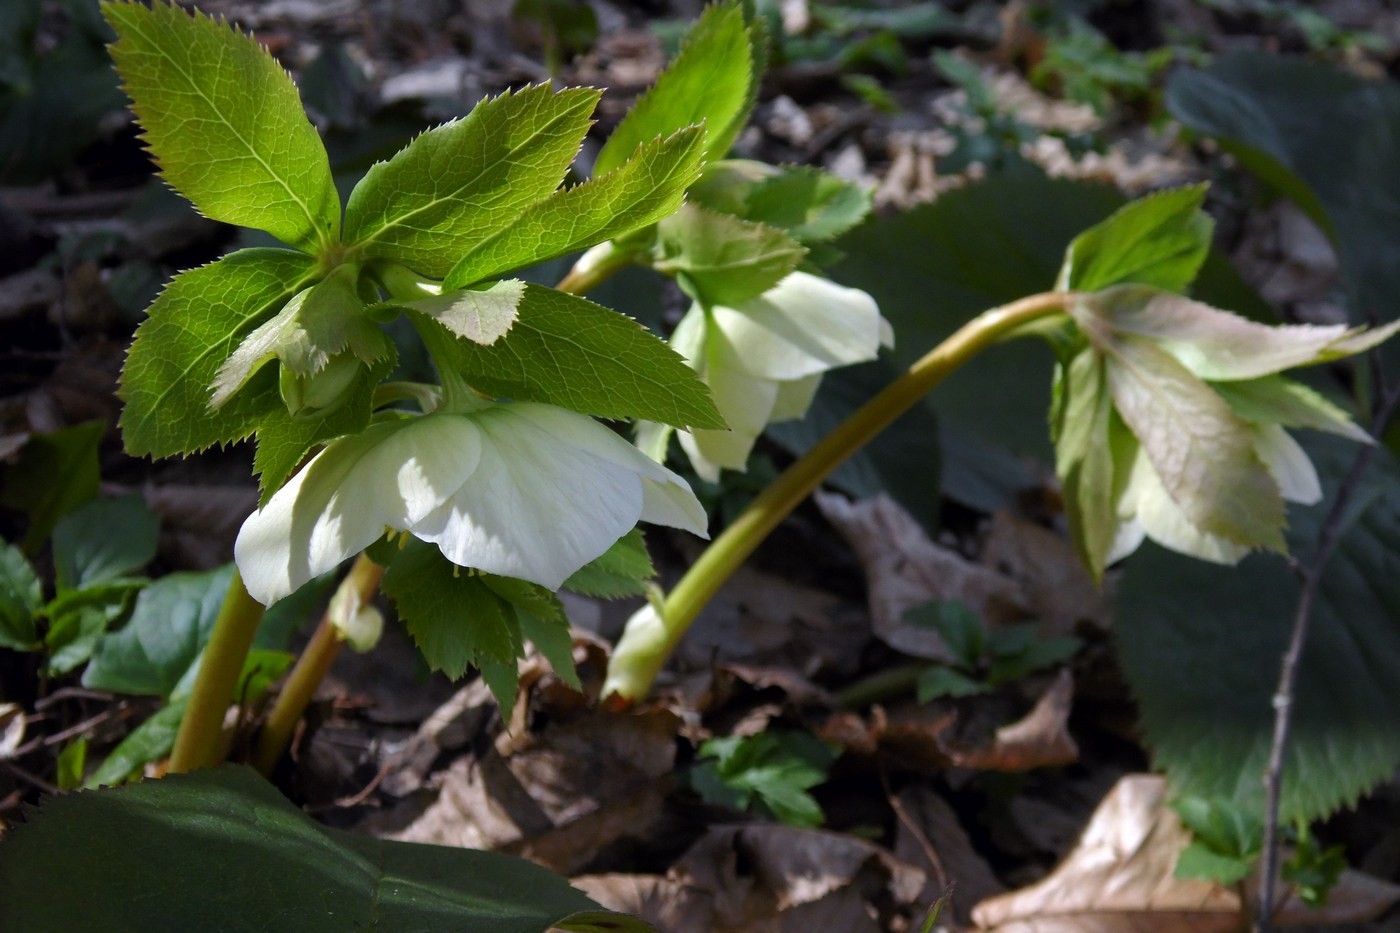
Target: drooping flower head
pixel 518 489
pixel 764 359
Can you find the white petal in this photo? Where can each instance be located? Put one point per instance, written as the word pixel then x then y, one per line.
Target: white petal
pixel 389 475
pixel 795 397
pixel 803 325
pixel 538 506
pixel 1288 464
pixel 674 505
pixel 745 403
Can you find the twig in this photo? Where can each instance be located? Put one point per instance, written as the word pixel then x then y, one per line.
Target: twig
pixel 925 844
pixel 1311 575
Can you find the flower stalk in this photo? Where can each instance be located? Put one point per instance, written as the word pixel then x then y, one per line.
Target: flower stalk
pixel 199 743
pixel 645 647
pixel 316 659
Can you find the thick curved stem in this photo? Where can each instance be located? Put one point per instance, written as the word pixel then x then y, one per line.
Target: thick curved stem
pixel 643 650
pixel 199 743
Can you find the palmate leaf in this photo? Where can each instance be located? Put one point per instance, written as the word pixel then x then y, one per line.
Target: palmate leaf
pixel 713 80
pixel 644 189
pixel 1201 647
pixel 224 123
pixel 570 352
pixel 204 850
pixel 462 183
pixel 194 325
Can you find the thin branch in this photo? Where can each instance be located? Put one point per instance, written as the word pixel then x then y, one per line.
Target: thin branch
pixel 1311 576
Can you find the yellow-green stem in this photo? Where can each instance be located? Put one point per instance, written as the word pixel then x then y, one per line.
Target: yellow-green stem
pixel 199 743
pixel 636 665
pixel 596 266
pixel 316 659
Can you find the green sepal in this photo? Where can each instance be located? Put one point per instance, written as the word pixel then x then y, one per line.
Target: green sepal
pixel 720 259
pixel 224 123
pixel 284 438
pixel 464 182
pixel 193 327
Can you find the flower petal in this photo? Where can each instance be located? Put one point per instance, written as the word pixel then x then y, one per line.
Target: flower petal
pixel 745 403
pixel 803 325
pixel 1162 520
pixel 538 506
pixel 795 397
pixel 392 474
pixel 1288 464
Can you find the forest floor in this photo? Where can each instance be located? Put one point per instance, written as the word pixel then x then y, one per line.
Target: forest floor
pixel 981 795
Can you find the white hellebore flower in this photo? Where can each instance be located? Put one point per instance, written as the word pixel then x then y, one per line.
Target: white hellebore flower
pixel 764 359
pixel 516 488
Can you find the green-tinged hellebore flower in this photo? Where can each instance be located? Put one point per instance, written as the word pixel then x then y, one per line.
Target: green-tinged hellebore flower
pixel 1169 424
pixel 517 489
pixel 764 360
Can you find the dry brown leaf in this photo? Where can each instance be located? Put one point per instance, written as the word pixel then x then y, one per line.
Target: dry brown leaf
pixel 564 795
pixel 781 878
pixel 927 830
pixel 1052 577
pixel 666 904
pixel 1120 879
pixel 904 569
pixel 1038 740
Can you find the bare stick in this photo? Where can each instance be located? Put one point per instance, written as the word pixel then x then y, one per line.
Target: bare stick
pixel 1311 577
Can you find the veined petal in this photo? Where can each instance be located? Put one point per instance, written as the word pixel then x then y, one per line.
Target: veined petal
pixel 392 474
pixel 1288 464
pixel 671 503
pixel 1161 519
pixel 803 325
pixel 746 404
pixel 537 507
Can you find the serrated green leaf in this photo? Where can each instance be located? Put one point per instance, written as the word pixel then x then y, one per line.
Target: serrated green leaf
pixel 1209 718
pixel 622 570
pixel 150 741
pixel 167 630
pixel 480 315
pixel 225 124
pixel 1026 652
pixel 194 325
pixel 775 767
pixel 1221 825
pixel 56 472
pixel 712 80
pixel 71 868
pixel 644 189
pixel 958 626
pixel 462 183
pixel 453 616
pixel 21 598
pixel 570 352
pixel 721 259
pixel 1199 861
pixel 551 638
pixel 102 541
pixel 1159 240
pixel 812 205
pixel 285 439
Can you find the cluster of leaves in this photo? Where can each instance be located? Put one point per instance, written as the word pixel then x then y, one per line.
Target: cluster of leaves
pixel 769 772
pixel 1080 63
pixel 983 660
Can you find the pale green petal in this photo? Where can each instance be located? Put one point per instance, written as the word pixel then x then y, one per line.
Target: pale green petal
pixel 672 504
pixel 1127 538
pixel 803 325
pixel 1213 344
pixel 795 397
pixel 746 404
pixel 652 438
pixel 1288 464
pixel 390 475
pixel 537 507
pixel 1162 520
pixel 688 339
pixel 1288 403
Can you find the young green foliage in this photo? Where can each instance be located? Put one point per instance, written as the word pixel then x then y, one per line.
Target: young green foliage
pixel 983 660
pixel 1226 840
pixel 255 159
pixel 770 771
pixel 720 259
pixel 21 599
pixel 714 81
